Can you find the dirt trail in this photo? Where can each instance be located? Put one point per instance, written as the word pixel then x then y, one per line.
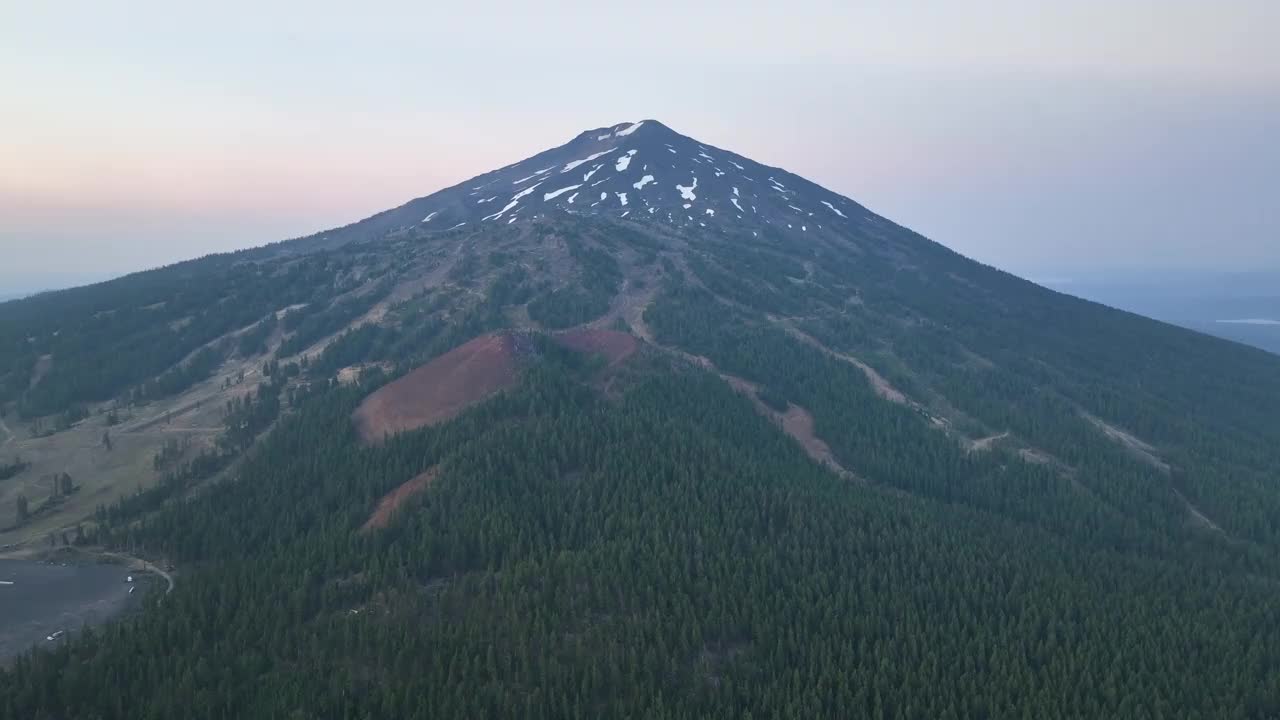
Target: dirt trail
pixel 391 502
pixel 630 305
pixel 796 422
pixel 206 392
pixel 635 317
pixel 1147 453
pixel 882 386
pixel 410 284
pixel 1198 517
pixel 1140 449
pixel 985 443
pixel 8 434
pixel 145 424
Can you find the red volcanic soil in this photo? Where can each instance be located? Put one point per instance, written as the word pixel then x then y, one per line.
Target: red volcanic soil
pixel 441 389
pixel 615 346
pixel 392 501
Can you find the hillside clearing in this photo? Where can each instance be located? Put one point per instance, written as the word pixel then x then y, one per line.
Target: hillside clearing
pixel 440 389
pixel 387 506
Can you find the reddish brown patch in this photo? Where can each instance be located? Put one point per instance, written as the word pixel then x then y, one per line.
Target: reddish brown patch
pixel 615 346
pixel 439 390
pixel 392 501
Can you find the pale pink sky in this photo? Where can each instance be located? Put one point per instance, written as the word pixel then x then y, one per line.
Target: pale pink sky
pixel 1030 135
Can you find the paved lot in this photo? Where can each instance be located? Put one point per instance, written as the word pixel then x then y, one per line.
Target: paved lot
pixel 45 598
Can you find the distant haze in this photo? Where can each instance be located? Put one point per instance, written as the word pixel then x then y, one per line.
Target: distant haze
pixel 1240 306
pixel 1042 138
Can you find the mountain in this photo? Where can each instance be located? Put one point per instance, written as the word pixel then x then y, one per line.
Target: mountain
pixel 733 446
pixel 631 169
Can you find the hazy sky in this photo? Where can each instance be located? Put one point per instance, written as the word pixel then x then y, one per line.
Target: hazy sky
pixel 1045 137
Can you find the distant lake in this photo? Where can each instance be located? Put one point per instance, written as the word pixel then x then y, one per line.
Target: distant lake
pixel 1252 321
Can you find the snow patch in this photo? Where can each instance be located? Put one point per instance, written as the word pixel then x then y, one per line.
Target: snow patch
pixel 628 131
pixel 735 204
pixel 557 193
pixel 526 191
pixel 686 192
pixel 515 200
pixel 735 193
pixel 624 161
pixel 643 181
pixel 623 198
pixel 524 179
pixel 736 165
pixel 498 214
pixel 711 212
pixel 834 209
pixel 571 197
pixel 583 161
pixel 428 218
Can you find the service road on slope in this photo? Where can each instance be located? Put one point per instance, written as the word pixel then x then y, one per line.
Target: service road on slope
pixel 796 421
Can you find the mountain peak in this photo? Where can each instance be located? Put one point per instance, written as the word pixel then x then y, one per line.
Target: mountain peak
pixel 646 171
pixel 638 171
pixel 626 129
